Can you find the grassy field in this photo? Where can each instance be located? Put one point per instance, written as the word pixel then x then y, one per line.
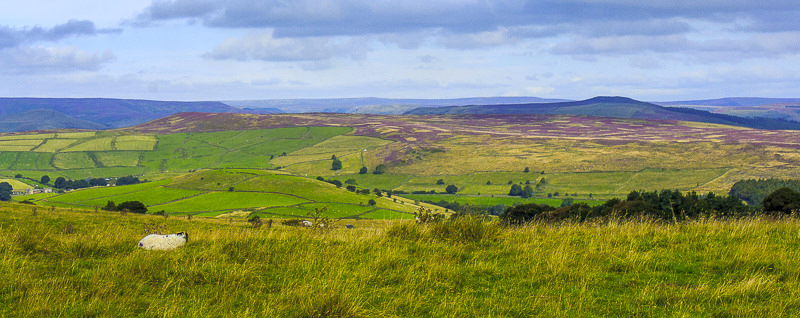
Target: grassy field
pixel 214 192
pixel 62 263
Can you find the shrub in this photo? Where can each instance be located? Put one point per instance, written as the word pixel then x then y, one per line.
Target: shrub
pixel 783 200
pixel 292 222
pixel 363 170
pixel 380 169
pixel 132 206
pixel 440 181
pixel 451 189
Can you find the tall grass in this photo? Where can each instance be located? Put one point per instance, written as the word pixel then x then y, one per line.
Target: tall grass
pixel 461 268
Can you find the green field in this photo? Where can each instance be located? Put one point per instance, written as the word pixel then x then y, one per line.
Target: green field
pixel 213 192
pixel 97 144
pixel 140 142
pixel 53 145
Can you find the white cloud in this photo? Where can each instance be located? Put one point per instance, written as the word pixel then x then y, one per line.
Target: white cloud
pixel 265 47
pixel 51 60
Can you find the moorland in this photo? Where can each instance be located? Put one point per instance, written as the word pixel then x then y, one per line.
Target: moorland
pixel 212 174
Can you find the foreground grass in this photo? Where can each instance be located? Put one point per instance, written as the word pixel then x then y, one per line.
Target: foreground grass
pixel 66 263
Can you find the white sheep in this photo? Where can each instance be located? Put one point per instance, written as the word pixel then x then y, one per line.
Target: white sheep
pixel 163 242
pixel 308 224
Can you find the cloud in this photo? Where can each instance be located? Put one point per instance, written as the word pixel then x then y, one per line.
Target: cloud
pixel 265 47
pixel 358 17
pixel 28 60
pixel 12 37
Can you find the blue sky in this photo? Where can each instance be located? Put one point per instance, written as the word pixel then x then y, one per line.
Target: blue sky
pixel 263 49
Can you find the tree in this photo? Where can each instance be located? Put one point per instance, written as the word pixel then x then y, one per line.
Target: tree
pixel 489 182
pixel 440 181
pixel 527 170
pixel 351 188
pixel 336 164
pixel 60 182
pixel 132 206
pixel 377 192
pixel 516 190
pixel 783 200
pixel 371 202
pixel 18 175
pixel 527 192
pixel 110 206
pixel 380 169
pixel 5 191
pixel 451 189
pixel 45 179
pixel 363 170
pixel 128 180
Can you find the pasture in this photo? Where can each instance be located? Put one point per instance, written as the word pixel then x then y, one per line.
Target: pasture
pixel 221 191
pixel 66 263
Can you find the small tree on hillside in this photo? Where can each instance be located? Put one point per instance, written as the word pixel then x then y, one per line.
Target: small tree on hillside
pixel 380 169
pixel 516 190
pixel 451 189
pixel 440 181
pixel 45 179
pixel 5 191
pixel 336 164
pixel 363 170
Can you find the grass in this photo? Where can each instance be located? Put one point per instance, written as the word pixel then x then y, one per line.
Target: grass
pixel 135 142
pixel 65 263
pixel 76 135
pixel 26 136
pixel 19 145
pixel 97 144
pixel 16 184
pixel 118 158
pixel 53 145
pixel 219 201
pixel 73 160
pixel 490 201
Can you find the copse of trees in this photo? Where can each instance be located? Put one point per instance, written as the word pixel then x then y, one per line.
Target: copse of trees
pixel 753 191
pixel 665 205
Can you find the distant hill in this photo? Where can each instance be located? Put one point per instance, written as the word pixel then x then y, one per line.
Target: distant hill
pixel 44 119
pixel 103 113
pixel 605 106
pixel 732 102
pixel 373 105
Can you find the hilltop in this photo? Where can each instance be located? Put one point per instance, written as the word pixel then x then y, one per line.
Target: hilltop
pixel 619 107
pixel 97 113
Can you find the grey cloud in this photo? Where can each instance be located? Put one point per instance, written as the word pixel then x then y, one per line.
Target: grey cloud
pixel 29 60
pixel 11 37
pixel 357 17
pixel 265 47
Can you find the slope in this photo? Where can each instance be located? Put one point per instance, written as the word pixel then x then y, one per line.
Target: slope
pixel 111 113
pixel 618 107
pixel 44 119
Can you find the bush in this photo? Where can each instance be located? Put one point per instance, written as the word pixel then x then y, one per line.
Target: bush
pixel 523 213
pixel 380 169
pixel 132 206
pixel 451 189
pixel 363 170
pixel 783 200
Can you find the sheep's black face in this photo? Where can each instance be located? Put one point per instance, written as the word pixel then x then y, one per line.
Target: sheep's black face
pixel 184 235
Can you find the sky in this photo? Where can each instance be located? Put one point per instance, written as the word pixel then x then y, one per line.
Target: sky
pixel 282 49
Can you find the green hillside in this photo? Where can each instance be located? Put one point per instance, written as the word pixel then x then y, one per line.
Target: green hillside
pixel 264 193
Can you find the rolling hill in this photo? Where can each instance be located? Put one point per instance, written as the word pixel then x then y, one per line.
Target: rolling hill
pixel 44 119
pixel 373 105
pixel 618 107
pixel 98 113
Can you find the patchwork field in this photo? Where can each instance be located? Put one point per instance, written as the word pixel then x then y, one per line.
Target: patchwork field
pixel 584 157
pixel 215 192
